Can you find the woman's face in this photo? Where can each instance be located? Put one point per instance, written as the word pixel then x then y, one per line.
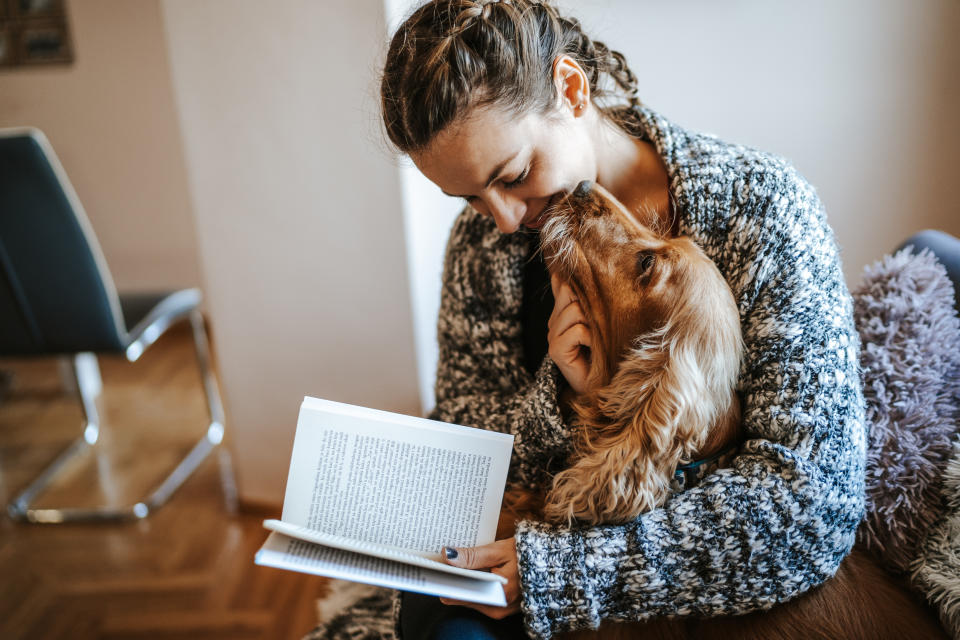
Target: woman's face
pixel 509 166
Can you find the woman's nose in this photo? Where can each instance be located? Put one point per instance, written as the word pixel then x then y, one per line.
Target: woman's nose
pixel 506 212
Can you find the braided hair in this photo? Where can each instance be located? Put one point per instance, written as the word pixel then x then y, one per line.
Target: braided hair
pixel 450 56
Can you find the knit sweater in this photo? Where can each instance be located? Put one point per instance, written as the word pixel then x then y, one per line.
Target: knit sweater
pixel 775 523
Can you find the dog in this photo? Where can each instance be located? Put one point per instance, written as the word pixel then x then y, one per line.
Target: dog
pixel 661 395
pixel 661 390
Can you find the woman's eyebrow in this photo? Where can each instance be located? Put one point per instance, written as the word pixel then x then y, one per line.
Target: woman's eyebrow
pixel 493 174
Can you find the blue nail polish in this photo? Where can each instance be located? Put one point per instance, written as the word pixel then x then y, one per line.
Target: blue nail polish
pixel 451 553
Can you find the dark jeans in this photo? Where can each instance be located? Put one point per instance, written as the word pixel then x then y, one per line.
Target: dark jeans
pixel 947 250
pixel 426 618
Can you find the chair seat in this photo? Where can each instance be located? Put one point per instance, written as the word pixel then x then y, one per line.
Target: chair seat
pixel 148 315
pixel 137 306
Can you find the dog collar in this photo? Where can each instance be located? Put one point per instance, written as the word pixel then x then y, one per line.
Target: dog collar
pixel 688 475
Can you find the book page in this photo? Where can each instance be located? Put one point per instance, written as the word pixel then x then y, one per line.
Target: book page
pixel 292 554
pixel 376 550
pixel 394 480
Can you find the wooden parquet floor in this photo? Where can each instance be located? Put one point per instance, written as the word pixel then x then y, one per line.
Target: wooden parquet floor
pixel 186 571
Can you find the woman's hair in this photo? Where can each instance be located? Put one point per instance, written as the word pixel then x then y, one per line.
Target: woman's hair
pixel 453 55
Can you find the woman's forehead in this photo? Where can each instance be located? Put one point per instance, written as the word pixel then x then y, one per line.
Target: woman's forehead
pixel 466 155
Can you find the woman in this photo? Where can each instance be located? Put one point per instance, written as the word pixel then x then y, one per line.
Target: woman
pixel 507 104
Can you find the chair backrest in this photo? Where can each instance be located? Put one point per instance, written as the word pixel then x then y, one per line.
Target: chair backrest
pixel 56 294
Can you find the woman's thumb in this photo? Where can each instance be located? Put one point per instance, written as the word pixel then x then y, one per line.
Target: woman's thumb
pixel 467 557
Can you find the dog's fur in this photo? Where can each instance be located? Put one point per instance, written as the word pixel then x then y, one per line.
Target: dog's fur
pixel 664 364
pixel 661 391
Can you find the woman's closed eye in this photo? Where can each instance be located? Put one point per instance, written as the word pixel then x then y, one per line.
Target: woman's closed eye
pixel 516 182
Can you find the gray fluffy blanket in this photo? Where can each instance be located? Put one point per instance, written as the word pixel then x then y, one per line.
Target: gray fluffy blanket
pixel 910 356
pixel 936 570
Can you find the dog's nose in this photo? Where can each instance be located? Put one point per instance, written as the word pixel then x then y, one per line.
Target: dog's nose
pixel 583 189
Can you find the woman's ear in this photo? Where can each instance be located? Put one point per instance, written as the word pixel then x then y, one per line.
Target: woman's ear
pixel 572 85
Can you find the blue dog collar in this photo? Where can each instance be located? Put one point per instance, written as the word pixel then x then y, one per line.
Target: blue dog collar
pixel 689 475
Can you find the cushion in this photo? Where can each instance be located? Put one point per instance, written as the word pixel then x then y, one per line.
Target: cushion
pixel 910 359
pixel 936 571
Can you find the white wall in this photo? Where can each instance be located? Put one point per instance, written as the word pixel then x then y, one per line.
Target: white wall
pixel 111 120
pixel 862 96
pixel 298 215
pixel 428 215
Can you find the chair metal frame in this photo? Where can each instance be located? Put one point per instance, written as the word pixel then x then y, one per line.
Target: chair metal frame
pixel 178 306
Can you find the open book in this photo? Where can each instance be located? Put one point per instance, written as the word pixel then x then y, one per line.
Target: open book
pixel 374 496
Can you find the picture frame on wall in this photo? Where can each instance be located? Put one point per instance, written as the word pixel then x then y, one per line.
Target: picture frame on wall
pixel 39 8
pixel 44 42
pixel 34 32
pixel 6 46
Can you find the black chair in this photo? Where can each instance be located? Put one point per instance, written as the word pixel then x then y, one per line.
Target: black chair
pixel 946 248
pixel 57 298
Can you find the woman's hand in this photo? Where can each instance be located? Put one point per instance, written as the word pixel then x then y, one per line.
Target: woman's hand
pixel 501 558
pixel 568 335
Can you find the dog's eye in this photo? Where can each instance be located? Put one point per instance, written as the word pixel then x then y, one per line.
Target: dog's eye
pixel 645 262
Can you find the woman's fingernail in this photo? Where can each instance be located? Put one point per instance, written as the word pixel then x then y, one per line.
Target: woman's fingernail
pixel 451 553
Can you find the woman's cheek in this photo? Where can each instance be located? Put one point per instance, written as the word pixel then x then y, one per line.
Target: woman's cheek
pixel 546 185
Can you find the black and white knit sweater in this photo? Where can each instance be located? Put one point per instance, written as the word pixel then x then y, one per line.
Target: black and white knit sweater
pixel 776 523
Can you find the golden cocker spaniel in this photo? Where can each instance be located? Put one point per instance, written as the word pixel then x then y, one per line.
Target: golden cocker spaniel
pixel 664 364
pixel 661 392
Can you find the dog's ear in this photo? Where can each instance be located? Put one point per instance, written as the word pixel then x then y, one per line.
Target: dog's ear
pixel 628 444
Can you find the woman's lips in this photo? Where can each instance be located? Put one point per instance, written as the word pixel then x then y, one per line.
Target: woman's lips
pixel 537 222
pixel 541 218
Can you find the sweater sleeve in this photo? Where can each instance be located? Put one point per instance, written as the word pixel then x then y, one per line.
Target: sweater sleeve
pixel 783 517
pixel 481 378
